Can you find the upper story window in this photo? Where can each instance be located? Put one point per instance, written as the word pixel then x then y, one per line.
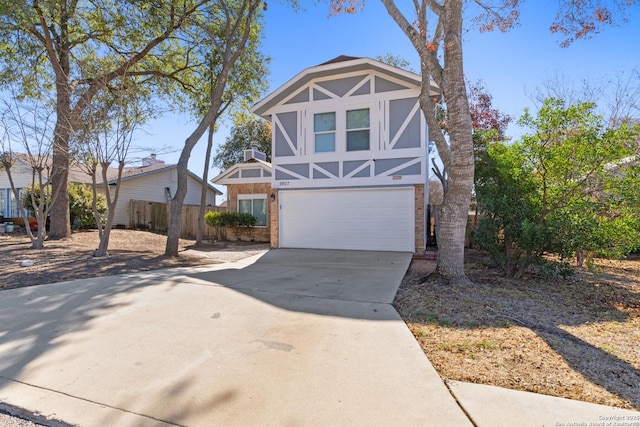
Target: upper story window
pixel 324 128
pixel 358 129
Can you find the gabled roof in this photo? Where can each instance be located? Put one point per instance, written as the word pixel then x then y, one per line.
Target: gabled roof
pixel 129 173
pixel 341 58
pixel 78 175
pixel 339 65
pixel 136 172
pixel 228 176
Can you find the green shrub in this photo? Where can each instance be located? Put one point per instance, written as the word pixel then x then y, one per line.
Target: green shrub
pixel 237 222
pixel 80 204
pixel 562 190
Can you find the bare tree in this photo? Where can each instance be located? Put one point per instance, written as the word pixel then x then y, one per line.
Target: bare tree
pixel 105 138
pixel 28 139
pixel 617 96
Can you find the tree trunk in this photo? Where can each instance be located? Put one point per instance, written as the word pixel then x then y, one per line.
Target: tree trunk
pixel 454 212
pixel 60 59
pixel 60 217
pixel 456 152
pixel 104 239
pixel 111 208
pixel 240 28
pixel 203 194
pixel 175 215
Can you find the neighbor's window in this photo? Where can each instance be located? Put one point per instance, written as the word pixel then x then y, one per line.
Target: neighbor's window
pixel 358 130
pixel 324 128
pixel 3 202
pixel 256 206
pixel 9 204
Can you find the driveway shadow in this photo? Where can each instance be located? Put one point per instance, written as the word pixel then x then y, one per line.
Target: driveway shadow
pixel 550 309
pixel 347 276
pixel 50 334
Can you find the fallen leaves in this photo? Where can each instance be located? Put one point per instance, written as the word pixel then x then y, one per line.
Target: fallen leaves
pixel 578 338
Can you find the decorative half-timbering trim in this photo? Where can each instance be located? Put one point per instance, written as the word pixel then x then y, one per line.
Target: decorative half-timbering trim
pixel 317 174
pixel 330 168
pixel 414 169
pixel 353 168
pixel 319 93
pixel 389 165
pixel 302 96
pixel 409 118
pixel 280 175
pixel 299 169
pixel 364 172
pixel 383 125
pixel 251 173
pixel 384 85
pixel 282 134
pixel 342 86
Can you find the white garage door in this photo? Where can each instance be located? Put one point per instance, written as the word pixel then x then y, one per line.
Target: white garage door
pixel 371 219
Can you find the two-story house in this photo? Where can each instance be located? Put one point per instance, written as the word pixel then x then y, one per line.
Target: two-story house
pixel 349 159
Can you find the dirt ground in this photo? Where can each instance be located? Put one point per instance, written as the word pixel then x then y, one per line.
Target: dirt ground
pixel 129 251
pixel 577 338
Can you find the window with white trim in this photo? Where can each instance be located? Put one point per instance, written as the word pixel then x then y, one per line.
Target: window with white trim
pixel 343 130
pixel 358 129
pixel 324 129
pixel 256 205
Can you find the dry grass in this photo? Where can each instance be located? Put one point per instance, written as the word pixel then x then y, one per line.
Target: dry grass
pixel 129 251
pixel 576 338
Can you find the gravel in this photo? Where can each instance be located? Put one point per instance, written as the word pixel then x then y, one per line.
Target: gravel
pixel 7 420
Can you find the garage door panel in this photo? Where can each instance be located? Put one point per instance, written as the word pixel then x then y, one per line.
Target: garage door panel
pixel 371 219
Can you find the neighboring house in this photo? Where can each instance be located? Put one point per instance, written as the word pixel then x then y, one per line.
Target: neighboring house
pixel 154 181
pixel 22 176
pixel 349 159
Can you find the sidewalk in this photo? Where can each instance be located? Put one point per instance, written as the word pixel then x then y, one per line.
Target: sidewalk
pixel 489 406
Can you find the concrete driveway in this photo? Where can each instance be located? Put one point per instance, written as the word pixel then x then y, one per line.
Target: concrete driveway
pixel 287 338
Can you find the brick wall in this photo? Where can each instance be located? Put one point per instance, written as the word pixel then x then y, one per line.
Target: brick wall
pixel 274 219
pixel 261 234
pixel 419 218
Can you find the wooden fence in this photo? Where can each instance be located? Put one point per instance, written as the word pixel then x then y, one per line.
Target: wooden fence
pixel 155 216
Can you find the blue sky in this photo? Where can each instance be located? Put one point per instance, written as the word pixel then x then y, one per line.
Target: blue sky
pixel 511 64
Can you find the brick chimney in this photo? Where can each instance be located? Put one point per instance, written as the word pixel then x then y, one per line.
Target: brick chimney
pixel 151 160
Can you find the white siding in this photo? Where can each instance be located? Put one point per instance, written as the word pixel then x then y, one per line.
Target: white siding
pixel 21 177
pixel 151 187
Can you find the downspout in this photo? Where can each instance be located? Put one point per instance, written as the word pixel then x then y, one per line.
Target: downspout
pixel 427 212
